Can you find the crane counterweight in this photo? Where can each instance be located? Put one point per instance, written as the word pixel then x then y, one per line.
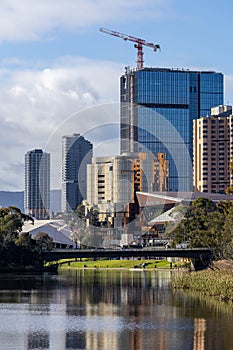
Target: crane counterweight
pixel 139 44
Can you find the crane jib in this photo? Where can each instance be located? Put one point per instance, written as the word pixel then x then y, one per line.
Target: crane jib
pixel 140 43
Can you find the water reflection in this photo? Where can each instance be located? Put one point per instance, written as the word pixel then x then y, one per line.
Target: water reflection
pixel 93 309
pixel 199 334
pixel 38 340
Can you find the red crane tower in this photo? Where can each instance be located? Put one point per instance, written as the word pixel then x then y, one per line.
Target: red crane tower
pixel 139 43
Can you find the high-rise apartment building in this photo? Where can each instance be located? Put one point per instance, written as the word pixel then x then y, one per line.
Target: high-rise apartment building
pixel 213 150
pixel 37 184
pixel 76 154
pixel 158 106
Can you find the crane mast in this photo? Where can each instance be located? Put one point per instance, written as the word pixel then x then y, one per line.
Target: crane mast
pixel 138 44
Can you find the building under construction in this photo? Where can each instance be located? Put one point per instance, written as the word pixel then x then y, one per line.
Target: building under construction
pixel 158 106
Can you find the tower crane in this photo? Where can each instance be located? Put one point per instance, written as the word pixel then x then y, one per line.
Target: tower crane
pixel 139 44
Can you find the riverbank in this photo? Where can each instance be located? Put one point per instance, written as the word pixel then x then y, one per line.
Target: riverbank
pixel 216 282
pixel 122 264
pixel 27 269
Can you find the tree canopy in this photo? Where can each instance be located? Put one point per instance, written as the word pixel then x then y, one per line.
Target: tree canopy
pixel 44 241
pixel 206 224
pixel 18 249
pixel 92 214
pixel 11 222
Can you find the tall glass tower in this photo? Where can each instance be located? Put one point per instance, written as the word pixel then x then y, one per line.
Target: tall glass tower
pixel 158 106
pixel 76 154
pixel 37 184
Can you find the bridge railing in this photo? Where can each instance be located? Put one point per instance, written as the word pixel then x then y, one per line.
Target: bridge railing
pixel 128 249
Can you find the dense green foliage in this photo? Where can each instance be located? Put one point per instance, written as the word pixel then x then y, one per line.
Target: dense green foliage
pixel 11 221
pixel 207 225
pixel 205 282
pixel 43 241
pixel 91 214
pixel 17 250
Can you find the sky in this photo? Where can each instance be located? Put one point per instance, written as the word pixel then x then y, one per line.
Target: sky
pixel 60 75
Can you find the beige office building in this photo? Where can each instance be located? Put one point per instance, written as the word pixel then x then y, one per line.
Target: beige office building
pixel 112 183
pixel 213 150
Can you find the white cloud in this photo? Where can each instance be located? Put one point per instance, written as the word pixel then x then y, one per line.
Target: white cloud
pixel 34 103
pixel 32 20
pixel 38 106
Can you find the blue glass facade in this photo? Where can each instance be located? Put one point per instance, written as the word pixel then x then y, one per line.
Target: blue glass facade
pixel 76 154
pixel 158 107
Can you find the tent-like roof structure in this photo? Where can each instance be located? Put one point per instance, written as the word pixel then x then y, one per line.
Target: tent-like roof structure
pixel 168 216
pixel 56 229
pixel 160 205
pixel 162 198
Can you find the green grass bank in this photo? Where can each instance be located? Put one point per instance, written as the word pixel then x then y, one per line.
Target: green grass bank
pixel 121 264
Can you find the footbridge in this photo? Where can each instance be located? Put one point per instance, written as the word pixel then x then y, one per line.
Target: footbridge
pixel 200 257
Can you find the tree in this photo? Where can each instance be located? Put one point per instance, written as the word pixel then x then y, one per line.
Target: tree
pixel 229 189
pixel 11 222
pixel 203 203
pixel 44 241
pixel 24 240
pixel 228 233
pixel 207 225
pixel 90 213
pixel 93 216
pixel 81 211
pixel 16 248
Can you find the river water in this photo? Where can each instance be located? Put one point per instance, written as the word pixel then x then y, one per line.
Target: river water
pixel 108 310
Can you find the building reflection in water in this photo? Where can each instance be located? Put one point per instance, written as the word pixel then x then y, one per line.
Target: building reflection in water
pixel 120 304
pixel 199 334
pixel 112 311
pixel 91 310
pixel 38 340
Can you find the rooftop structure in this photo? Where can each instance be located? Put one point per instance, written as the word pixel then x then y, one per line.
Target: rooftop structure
pixel 56 229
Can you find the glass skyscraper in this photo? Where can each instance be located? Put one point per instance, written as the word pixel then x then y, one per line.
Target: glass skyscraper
pixel 158 106
pixel 37 184
pixel 76 154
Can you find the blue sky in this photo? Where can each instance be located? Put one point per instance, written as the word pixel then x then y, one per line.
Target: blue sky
pixel 54 62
